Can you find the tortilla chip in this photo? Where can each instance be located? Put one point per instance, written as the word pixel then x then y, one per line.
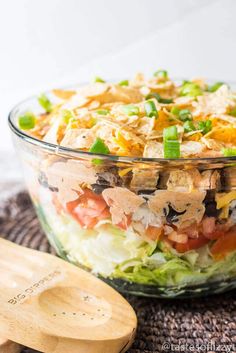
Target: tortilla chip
pixel 78 138
pixel 224 134
pixel 153 149
pixel 191 148
pixel 218 102
pixel 62 94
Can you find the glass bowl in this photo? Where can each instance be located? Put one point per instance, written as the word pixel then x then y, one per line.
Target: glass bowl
pixel 151 227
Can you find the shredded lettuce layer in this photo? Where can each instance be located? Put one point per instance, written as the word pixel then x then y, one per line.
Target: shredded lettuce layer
pixel 114 253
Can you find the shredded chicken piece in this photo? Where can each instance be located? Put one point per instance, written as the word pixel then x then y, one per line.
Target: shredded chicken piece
pixel 183 180
pixel 210 179
pixel 144 179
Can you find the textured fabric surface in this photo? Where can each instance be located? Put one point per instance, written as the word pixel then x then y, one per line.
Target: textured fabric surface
pixel 193 325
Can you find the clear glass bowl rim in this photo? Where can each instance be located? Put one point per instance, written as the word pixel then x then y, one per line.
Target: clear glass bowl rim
pixel 70 152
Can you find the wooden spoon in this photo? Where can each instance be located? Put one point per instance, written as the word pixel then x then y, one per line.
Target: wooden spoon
pixel 52 306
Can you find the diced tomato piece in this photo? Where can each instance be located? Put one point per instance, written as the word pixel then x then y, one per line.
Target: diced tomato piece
pixel 192 244
pixel 180 238
pixel 211 230
pixel 208 225
pixel 215 235
pixel 154 233
pixel 191 231
pixel 105 214
pixel 88 209
pixel 125 223
pixel 70 206
pixel 224 245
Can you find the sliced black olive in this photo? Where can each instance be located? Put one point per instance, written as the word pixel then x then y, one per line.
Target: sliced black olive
pixel 43 181
pixel 145 193
pixel 210 204
pixel 172 216
pixel 110 177
pixel 98 189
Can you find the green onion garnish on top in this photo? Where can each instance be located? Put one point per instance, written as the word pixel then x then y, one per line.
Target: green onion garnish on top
pixel 171 142
pixel 67 115
pixel 185 115
pixel 153 95
pixel 45 103
pixel 205 126
pixel 190 89
pixel 189 126
pixel 27 121
pixel 124 83
pixel 163 74
pixel 170 133
pixel 166 100
pixel 150 109
pixel 229 152
pixel 159 98
pixel 99 147
pixel 130 109
pixel 175 111
pixel 98 79
pixel 102 111
pixel 215 87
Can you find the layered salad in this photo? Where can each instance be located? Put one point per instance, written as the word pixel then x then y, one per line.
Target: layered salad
pixel 144 190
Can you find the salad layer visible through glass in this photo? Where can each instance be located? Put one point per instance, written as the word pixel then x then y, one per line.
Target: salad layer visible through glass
pixel 135 181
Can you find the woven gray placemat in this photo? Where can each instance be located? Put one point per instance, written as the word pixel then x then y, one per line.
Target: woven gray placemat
pixel 193 325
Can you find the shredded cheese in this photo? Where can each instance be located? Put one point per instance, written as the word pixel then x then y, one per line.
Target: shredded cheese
pixel 224 199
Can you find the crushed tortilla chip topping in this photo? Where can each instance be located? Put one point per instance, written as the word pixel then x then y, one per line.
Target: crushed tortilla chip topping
pixel 117 114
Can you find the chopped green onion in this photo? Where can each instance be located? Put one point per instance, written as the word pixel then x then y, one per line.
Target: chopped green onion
pixel 130 109
pixel 215 87
pixel 45 103
pixel 99 147
pixel 175 111
pixel 150 109
pixel 185 115
pixel 163 74
pixel 233 112
pixel 205 126
pixel 27 121
pixel 97 161
pixel 190 89
pixel 159 98
pixel 189 126
pixel 172 149
pixel 102 111
pixel 67 115
pixel 153 95
pixel 229 152
pixel 166 100
pixel 98 79
pixel 124 83
pixel 171 143
pixel 170 133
